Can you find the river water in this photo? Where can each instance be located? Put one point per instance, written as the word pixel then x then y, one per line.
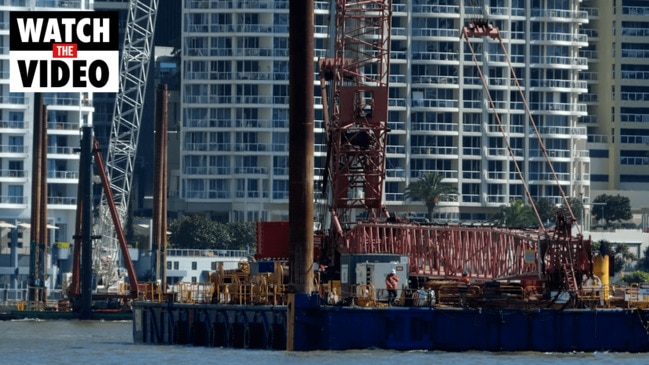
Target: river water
pixel 97 342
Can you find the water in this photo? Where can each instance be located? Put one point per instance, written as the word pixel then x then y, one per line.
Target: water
pixel 97 342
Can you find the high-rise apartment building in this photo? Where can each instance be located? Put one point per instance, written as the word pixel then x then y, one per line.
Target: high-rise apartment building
pixel 234 95
pixel 618 92
pixel 66 113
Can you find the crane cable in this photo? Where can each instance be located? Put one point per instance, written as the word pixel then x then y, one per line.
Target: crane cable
pixel 538 135
pixel 532 122
pixel 502 129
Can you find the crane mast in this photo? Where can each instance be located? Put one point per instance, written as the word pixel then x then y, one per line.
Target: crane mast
pixel 127 115
pixel 354 86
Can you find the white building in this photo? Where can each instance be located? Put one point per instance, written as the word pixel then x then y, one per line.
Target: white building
pixel 234 95
pixel 66 113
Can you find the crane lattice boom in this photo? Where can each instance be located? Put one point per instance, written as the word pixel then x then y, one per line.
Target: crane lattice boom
pixel 127 114
pixel 356 81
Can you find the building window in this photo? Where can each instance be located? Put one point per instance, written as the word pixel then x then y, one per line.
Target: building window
pixel 15 194
pixel 176 265
pixel 168 265
pixel 280 189
pixel 194 265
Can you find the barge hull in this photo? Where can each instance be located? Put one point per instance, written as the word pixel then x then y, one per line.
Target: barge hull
pixel 319 327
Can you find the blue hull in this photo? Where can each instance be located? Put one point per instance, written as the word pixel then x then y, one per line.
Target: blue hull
pixel 547 330
pixel 343 328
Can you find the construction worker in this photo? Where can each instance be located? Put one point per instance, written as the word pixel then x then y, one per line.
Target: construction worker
pixel 391 284
pixel 463 287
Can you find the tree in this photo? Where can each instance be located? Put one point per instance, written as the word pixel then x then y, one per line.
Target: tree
pixel 242 235
pixel 643 263
pixel 612 208
pixel 546 210
pixel 623 256
pixel 619 253
pixel 198 232
pixel 602 248
pixel 429 188
pixel 577 208
pixel 516 214
pixel 636 277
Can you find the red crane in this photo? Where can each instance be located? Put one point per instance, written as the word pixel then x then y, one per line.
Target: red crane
pixel 354 89
pixel 354 85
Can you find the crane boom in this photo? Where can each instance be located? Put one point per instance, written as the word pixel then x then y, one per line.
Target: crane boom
pixel 356 80
pixel 127 115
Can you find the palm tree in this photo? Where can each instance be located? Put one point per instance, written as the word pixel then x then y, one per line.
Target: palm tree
pixel 430 189
pixel 516 214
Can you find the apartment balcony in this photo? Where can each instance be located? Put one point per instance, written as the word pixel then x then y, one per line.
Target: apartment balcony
pixel 635 10
pixel 554 154
pixel 54 127
pixel 592 13
pixel 207 171
pixel 450 128
pixel 634 96
pixel 13 151
pixel 590 98
pixel 251 195
pixel 590 77
pixel 635 53
pixel 61 200
pixel 472 175
pixel 577 63
pixel 470 199
pixel 436 34
pixel 635 32
pixel 504 12
pixel 536 84
pixel 496 200
pixel 202 5
pixel 62 150
pixel 560 132
pixel 14 176
pixel 635 75
pixel 12 201
pixel 436 56
pixel 560 108
pixel 557 14
pixel 206 146
pixel 444 152
pixel 634 118
pixel 13 102
pixel 589 119
pixel 592 34
pixel 496 176
pixel 448 175
pixel 63 175
pixel 548 178
pixel 641 140
pixel 252 170
pixel 14 126
pixel 435 103
pixel 443 80
pixel 207 195
pixel 251 147
pixel 418 9
pixel 502 153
